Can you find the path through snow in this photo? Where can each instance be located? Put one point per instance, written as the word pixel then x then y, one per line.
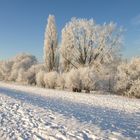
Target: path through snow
pixel 34 113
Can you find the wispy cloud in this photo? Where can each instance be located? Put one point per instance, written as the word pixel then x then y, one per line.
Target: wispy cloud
pixel 136 20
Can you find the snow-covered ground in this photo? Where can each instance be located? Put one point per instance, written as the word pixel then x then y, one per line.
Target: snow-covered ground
pixel 34 113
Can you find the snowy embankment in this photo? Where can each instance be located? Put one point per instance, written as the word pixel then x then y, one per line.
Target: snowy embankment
pixel 35 113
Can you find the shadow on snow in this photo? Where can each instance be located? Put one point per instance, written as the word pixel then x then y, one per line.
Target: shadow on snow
pixel 104 118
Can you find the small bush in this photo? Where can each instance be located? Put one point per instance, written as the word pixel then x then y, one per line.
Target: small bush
pixel 40 79
pixel 61 80
pixel 50 79
pixel 135 89
pixel 73 80
pixel 127 78
pixel 87 79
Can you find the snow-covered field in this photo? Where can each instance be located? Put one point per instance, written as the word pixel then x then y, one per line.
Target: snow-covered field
pixel 34 113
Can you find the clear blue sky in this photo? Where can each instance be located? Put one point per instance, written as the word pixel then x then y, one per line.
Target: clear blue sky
pixel 22 22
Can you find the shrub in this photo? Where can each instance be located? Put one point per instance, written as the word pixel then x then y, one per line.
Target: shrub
pixel 61 80
pixel 134 89
pixel 21 77
pixel 50 79
pixel 127 75
pixel 40 79
pixel 87 79
pixel 21 62
pixel 5 69
pixel 29 76
pixel 73 80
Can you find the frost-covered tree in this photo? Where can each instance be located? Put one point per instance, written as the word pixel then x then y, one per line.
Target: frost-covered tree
pixel 21 77
pixel 105 74
pixel 22 61
pixel 5 69
pixel 135 89
pixel 32 73
pixel 50 45
pixel 84 41
pixel 16 68
pixel 37 68
pixel 128 74
pixel 31 76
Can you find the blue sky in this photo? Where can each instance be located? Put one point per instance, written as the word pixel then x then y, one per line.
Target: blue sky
pixel 22 22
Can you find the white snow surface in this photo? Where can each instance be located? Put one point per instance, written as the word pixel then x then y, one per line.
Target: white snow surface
pixel 31 113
